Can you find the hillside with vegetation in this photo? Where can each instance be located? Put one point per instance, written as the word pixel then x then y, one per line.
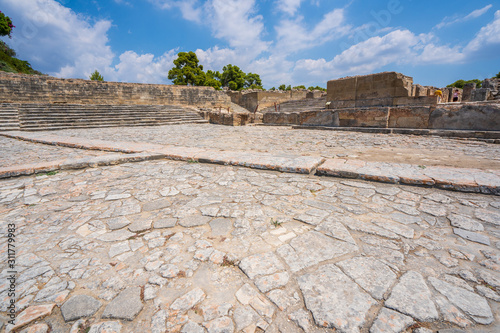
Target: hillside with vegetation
pixel 8 60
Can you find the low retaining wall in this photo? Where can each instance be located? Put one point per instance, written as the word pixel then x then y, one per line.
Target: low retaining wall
pixel 484 116
pixel 309 118
pixel 19 88
pixel 470 116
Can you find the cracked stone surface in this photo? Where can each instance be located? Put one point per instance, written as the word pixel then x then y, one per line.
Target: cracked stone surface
pixel 161 245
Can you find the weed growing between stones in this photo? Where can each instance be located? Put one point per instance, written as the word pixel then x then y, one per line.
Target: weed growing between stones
pixel 50 173
pixel 192 161
pixel 275 223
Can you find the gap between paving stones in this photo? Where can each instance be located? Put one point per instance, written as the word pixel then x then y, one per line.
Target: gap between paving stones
pixel 448 178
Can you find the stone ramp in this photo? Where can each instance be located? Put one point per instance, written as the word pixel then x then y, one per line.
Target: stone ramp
pixel 448 178
pixel 37 117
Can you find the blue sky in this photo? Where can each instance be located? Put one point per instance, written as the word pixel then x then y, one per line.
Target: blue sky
pixel 285 41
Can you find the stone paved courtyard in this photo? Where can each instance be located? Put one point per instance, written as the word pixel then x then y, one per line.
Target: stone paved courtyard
pixel 173 246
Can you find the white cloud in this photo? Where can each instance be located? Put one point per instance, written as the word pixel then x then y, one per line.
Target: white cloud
pixel 447 21
pixel 55 38
pixel 143 68
pixel 396 47
pixel 486 44
pixel 478 12
pixel 190 9
pixel 288 6
pixel 59 42
pixel 215 58
pixel 236 22
pixel 292 35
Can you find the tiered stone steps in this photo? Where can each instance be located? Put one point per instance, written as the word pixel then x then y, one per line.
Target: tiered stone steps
pixel 9 117
pixel 308 104
pixel 37 117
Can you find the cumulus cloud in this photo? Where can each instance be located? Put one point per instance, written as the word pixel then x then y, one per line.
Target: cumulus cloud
pixel 289 7
pixel 59 41
pixel 62 43
pixel 191 9
pixel 236 22
pixel 293 36
pixel 144 68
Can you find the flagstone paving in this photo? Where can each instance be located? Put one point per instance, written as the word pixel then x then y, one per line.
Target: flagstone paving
pixel 372 147
pixel 103 245
pixel 177 246
pixel 17 152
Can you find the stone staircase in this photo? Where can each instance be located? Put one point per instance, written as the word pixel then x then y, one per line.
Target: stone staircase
pixel 37 117
pixel 308 104
pixel 9 117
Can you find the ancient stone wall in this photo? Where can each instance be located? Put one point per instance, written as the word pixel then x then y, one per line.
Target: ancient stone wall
pixel 258 100
pixel 382 89
pixel 470 116
pixel 18 88
pixel 308 118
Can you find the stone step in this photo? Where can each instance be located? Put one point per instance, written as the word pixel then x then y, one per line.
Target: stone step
pixel 111 116
pixel 99 121
pixel 59 116
pixel 54 128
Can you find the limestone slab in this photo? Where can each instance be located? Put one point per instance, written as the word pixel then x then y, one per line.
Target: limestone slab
pixel 125 306
pixel 79 306
pixel 334 299
pixel 472 304
pixel 312 248
pixel 411 296
pixel 390 321
pixel 261 264
pixel 370 274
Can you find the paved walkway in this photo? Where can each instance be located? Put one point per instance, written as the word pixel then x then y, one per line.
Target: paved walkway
pixel 459 179
pixel 182 246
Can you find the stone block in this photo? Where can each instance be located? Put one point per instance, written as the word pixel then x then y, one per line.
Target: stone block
pixel 319 118
pixel 466 117
pixel 369 117
pixel 481 95
pixel 409 117
pixel 281 118
pixel 467 92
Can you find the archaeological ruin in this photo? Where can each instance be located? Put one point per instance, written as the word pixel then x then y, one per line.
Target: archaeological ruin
pixel 322 215
pixel 387 100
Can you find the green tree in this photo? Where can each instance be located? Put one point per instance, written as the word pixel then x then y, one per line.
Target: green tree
pixel 316 88
pixel 282 87
pixel 212 79
pixel 6 25
pixel 233 77
pixel 461 83
pixel 253 81
pixel 299 87
pixel 186 70
pixel 498 75
pixel 96 76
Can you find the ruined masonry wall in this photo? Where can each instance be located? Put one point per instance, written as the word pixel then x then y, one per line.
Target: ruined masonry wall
pixel 262 99
pixel 19 88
